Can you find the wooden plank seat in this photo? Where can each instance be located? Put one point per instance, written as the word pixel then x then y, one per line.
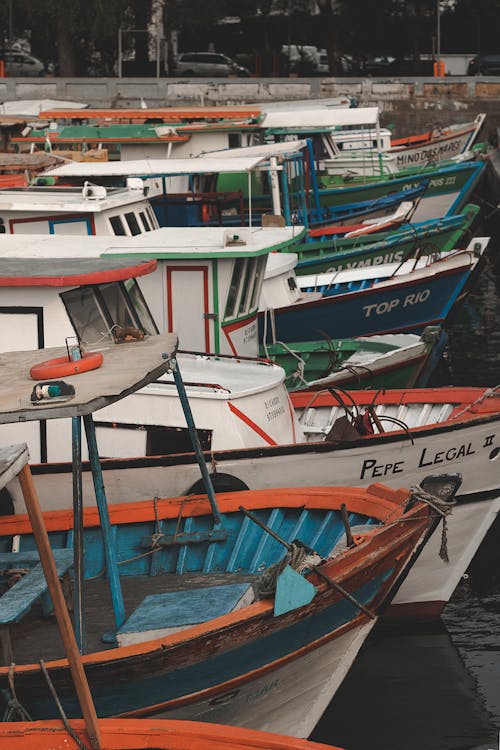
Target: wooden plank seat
pixel 19 599
pixel 159 615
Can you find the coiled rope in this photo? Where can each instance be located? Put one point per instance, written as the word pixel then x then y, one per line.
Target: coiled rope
pixel 299 557
pixel 442 508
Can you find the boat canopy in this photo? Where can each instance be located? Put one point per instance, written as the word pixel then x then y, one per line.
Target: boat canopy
pixel 156 167
pixel 266 150
pixel 357 117
pixel 167 242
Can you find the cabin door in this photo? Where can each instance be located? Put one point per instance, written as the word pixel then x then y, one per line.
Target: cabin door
pixel 188 313
pixel 21 329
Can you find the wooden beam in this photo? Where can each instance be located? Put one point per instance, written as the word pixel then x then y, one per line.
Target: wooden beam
pixel 60 609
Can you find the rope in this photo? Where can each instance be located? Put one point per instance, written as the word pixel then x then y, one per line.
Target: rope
pixel 442 508
pixel 488 393
pixel 14 707
pixel 299 557
pixel 58 703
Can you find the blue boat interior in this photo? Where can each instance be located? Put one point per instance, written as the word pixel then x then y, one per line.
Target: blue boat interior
pixel 157 557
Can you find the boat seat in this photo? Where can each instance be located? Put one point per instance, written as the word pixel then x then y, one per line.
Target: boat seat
pixel 30 587
pixel 160 615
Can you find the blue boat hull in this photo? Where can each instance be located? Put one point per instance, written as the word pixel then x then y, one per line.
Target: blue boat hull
pixel 405 307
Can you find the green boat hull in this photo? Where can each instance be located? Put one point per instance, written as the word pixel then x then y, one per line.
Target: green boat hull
pixel 308 363
pixel 382 247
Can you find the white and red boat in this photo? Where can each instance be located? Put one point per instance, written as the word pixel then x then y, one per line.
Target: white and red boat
pixel 413 433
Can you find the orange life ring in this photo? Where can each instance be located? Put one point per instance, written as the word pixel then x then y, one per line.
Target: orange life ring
pixel 61 367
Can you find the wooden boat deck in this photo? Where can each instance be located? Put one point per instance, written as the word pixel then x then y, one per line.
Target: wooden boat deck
pixel 37 637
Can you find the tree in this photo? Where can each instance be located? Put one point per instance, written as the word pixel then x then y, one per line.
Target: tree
pixel 81 34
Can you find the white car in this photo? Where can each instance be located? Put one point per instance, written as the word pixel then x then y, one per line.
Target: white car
pixel 207 64
pixel 20 63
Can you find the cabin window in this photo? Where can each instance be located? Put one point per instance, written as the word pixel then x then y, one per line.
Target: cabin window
pixel 117 225
pixel 234 140
pixel 152 218
pixel 258 278
pixel 140 307
pixel 95 311
pixel 87 315
pixel 234 287
pixel 145 221
pixel 133 224
pixel 246 289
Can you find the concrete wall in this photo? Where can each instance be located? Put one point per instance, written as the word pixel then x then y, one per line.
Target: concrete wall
pixel 409 104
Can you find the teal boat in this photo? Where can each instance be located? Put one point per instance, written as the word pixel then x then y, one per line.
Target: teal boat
pixel 386 361
pixel 449 188
pixel 411 240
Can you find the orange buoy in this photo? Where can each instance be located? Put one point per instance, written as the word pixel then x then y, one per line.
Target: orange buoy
pixel 61 367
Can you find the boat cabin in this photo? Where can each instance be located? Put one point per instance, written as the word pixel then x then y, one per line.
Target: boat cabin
pixel 92 304
pixel 206 287
pixel 89 209
pixel 229 187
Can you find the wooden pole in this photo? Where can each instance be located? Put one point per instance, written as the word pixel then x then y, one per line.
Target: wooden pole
pixel 60 609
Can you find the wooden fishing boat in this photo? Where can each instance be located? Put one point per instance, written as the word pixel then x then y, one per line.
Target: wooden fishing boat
pixel 207 287
pixel 326 253
pixel 138 734
pixel 190 196
pixel 416 431
pixel 352 140
pixel 390 361
pixel 95 302
pixel 437 144
pixel 392 298
pixel 354 226
pixel 449 188
pixel 210 618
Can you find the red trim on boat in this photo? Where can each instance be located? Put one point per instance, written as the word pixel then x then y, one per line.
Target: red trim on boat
pixel 253 425
pixel 85 279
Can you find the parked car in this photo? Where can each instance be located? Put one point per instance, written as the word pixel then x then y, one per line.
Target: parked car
pixel 20 63
pixel 484 65
pixel 207 64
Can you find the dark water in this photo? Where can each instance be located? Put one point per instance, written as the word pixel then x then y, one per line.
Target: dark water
pixel 437 686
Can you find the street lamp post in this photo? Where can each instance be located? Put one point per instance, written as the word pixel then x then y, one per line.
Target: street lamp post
pixel 10 23
pixel 438 65
pixel 438 32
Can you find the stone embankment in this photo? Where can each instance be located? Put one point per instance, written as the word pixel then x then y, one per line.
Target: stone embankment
pixel 410 104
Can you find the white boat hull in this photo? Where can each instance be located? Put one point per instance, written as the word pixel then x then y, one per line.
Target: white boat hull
pixel 470 450
pixel 289 699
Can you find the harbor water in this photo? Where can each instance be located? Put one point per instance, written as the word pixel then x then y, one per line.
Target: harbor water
pixel 436 686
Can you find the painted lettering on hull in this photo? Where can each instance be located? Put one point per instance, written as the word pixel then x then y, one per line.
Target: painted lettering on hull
pixel 377 260
pixel 431 153
pixel 387 306
pixel 440 457
pixel 373 468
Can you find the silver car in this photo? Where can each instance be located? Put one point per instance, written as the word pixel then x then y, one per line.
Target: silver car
pixel 20 63
pixel 207 64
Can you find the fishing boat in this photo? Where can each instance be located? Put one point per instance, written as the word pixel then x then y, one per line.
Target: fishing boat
pixel 205 283
pixel 226 609
pixel 86 210
pixel 360 225
pixel 90 301
pixel 352 140
pixel 390 361
pixel 347 139
pixel 323 252
pixel 387 298
pixel 228 187
pixel 138 734
pixel 413 432
pixel 449 188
